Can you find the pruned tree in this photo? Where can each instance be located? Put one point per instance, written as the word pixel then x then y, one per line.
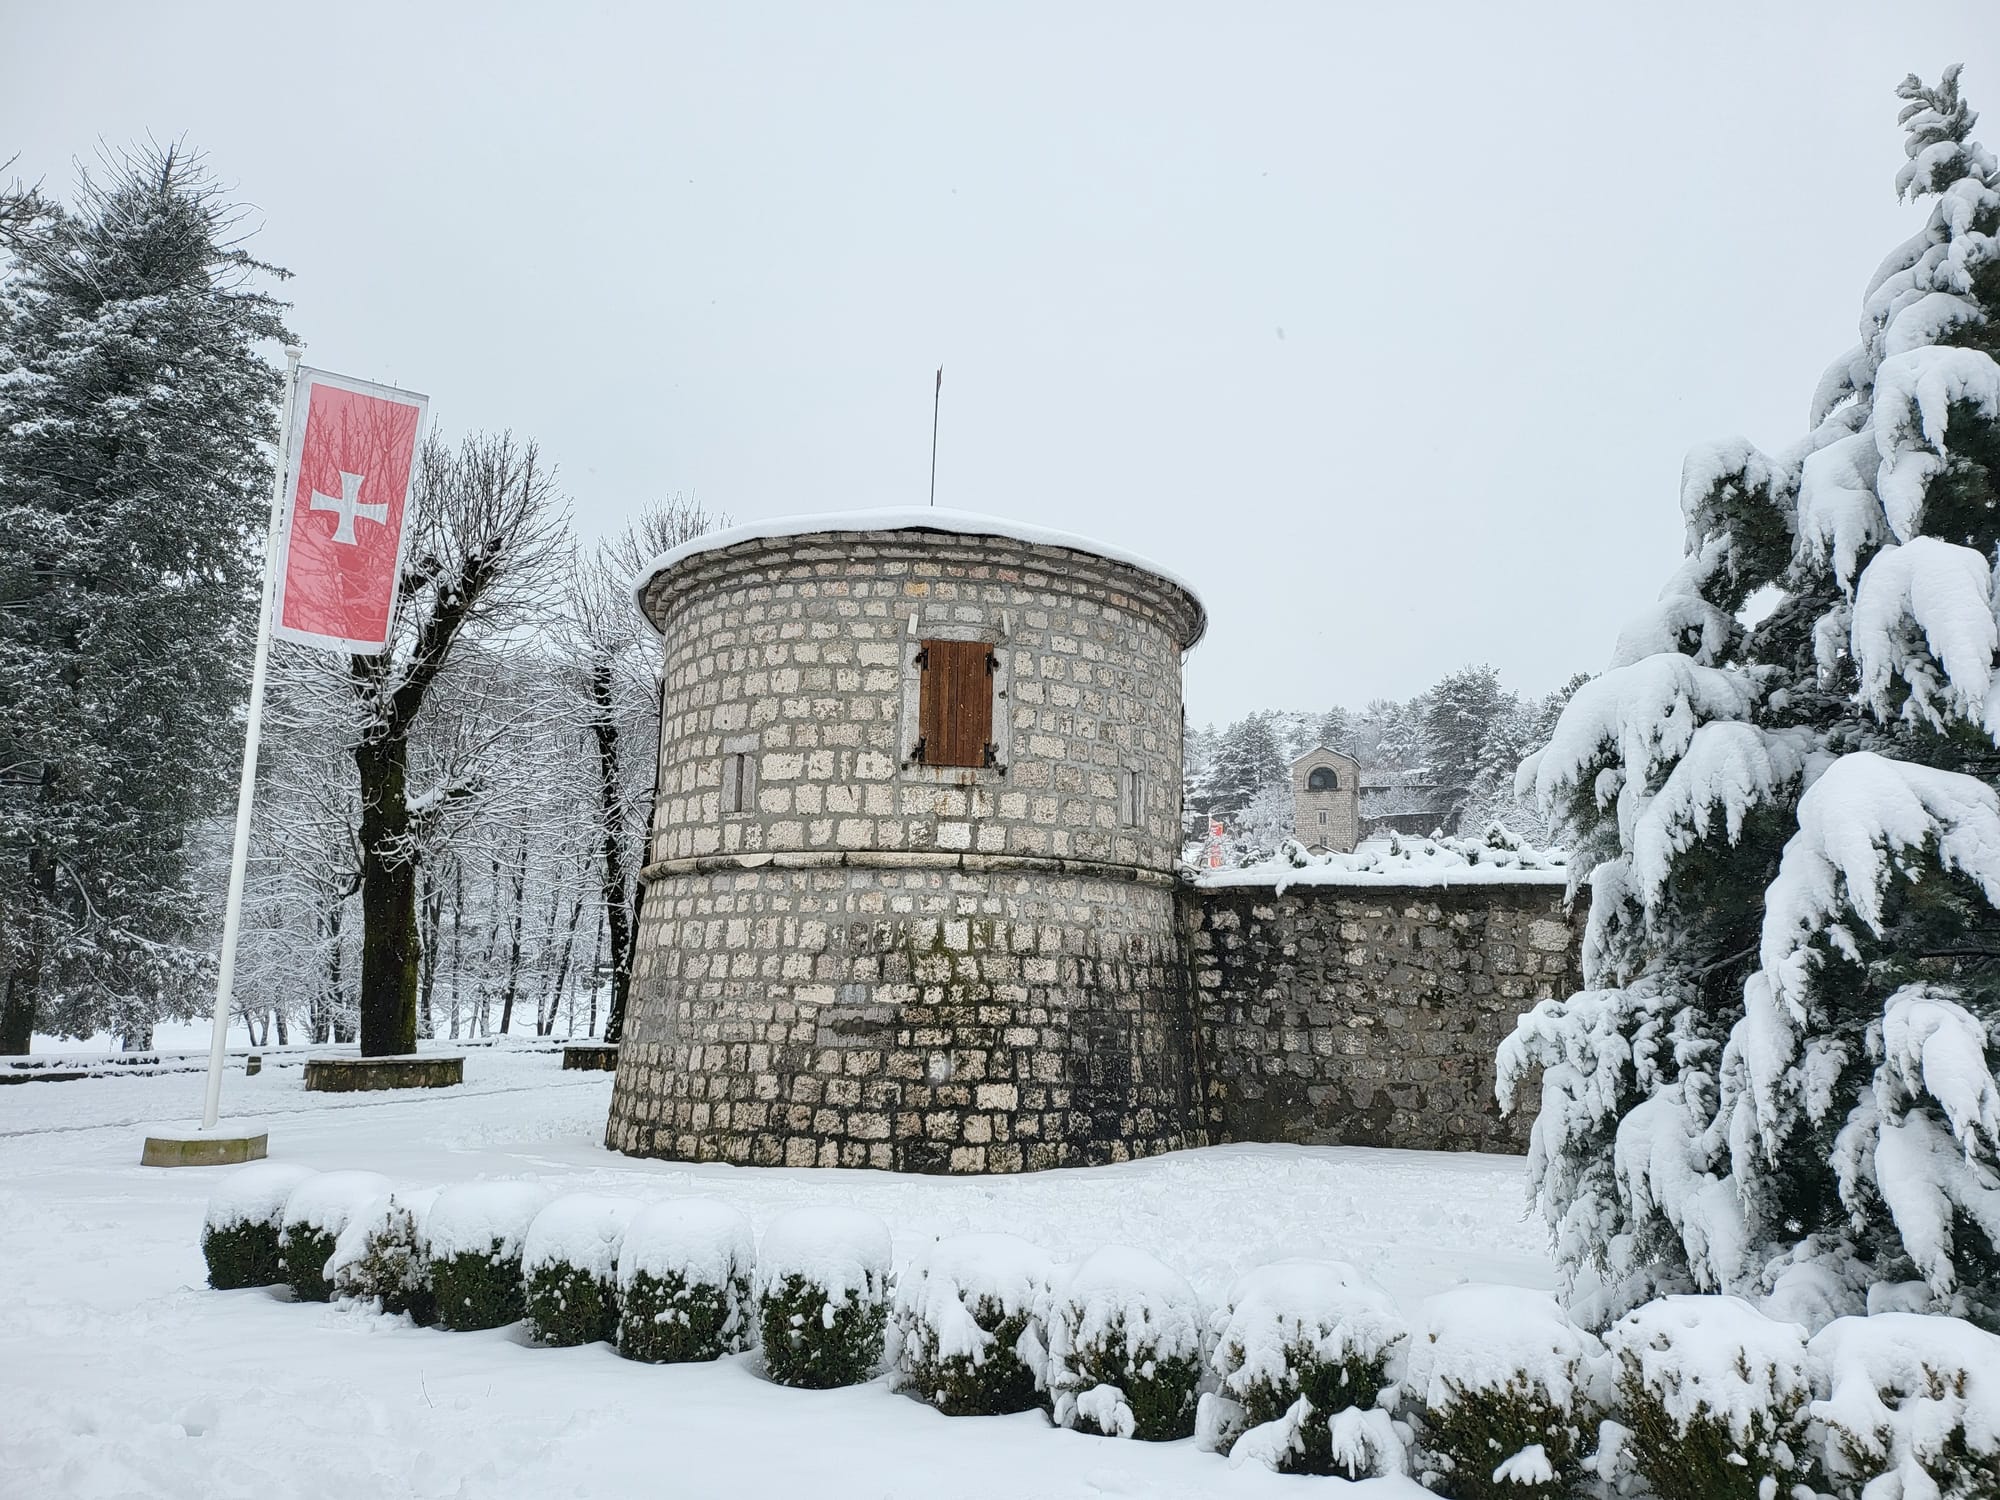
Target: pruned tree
pixel 487 539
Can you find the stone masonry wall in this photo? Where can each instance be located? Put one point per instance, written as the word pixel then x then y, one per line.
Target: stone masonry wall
pixel 1369 1016
pixel 923 1020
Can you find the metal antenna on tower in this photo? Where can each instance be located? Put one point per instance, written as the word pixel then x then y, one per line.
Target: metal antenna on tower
pixel 937 396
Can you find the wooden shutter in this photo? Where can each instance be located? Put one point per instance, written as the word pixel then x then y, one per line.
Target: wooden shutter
pixel 955 702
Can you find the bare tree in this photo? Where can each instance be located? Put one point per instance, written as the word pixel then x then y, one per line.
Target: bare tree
pixel 617 681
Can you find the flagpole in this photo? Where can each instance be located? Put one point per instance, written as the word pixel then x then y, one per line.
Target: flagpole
pixel 937 396
pixel 239 856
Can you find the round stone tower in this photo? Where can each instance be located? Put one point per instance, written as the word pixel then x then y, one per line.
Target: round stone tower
pixel 911 892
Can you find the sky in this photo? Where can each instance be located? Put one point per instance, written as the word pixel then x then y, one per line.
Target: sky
pixel 1386 326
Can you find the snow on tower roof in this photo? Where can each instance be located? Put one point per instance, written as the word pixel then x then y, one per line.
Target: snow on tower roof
pixel 907 518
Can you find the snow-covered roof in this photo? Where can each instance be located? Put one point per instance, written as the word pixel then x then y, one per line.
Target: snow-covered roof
pixel 1323 749
pixel 908 518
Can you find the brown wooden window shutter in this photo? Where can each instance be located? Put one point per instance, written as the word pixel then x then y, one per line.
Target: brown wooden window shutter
pixel 955 703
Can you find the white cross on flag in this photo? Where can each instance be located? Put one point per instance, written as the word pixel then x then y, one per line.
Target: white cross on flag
pixel 353 455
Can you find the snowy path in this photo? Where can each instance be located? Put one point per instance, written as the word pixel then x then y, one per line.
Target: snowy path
pixel 121 1375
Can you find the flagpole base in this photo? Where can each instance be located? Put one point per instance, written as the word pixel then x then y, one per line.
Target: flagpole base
pixel 204 1148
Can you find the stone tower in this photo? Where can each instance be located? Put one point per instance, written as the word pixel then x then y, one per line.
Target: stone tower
pixel 911 899
pixel 1326 799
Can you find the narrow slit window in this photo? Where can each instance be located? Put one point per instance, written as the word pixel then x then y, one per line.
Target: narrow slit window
pixel 955 703
pixel 1131 798
pixel 739 783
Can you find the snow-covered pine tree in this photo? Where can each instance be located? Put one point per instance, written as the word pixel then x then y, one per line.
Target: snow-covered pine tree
pixel 1335 730
pixel 1781 1078
pixel 1458 716
pixel 1247 759
pixel 135 428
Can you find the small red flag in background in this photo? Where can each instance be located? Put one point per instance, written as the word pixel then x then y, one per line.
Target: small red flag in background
pixel 354 450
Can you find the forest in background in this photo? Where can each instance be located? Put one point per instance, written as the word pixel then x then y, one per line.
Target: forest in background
pixel 1446 756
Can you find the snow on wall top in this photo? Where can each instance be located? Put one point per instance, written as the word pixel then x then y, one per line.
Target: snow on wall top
pixel 907 518
pixel 1429 862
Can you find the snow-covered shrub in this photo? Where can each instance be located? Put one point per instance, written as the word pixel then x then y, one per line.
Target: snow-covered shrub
pixel 239 1235
pixel 1913 1409
pixel 684 1282
pixel 569 1269
pixel 822 1287
pixel 1507 1387
pixel 473 1238
pixel 315 1214
pixel 1125 1347
pixel 379 1256
pixel 1716 1395
pixel 966 1312
pixel 1298 1346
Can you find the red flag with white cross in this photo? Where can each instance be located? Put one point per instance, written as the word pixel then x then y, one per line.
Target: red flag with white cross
pixel 354 454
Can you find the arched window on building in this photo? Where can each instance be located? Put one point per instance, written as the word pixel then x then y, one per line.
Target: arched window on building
pixel 1323 779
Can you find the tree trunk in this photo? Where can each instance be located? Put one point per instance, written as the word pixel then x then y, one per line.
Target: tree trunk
pixel 24 982
pixel 433 920
pixel 388 902
pixel 457 922
pixel 514 944
pixel 326 1001
pixel 278 1015
pixel 17 1014
pixel 562 967
pixel 596 963
pixel 611 831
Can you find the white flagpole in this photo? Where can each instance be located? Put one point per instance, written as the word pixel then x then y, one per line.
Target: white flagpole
pixel 239 857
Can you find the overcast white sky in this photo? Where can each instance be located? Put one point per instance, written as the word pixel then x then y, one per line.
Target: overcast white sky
pixel 1386 325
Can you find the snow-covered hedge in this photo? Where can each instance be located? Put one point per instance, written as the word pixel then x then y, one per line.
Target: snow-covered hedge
pixel 1913 1408
pixel 569 1269
pixel 1716 1396
pixel 473 1238
pixel 1509 1391
pixel 966 1315
pixel 318 1210
pixel 239 1234
pixel 1125 1347
pixel 1308 1355
pixel 822 1287
pixel 684 1282
pixel 379 1256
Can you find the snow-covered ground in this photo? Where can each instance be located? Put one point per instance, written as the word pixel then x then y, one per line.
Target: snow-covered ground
pixel 122 1375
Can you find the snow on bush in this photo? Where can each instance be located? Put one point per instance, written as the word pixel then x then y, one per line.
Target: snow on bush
pixel 1913 1410
pixel 315 1214
pixel 822 1288
pixel 1125 1347
pixel 684 1282
pixel 379 1256
pixel 1716 1396
pixel 966 1316
pixel 1508 1387
pixel 239 1234
pixel 473 1238
pixel 569 1269
pixel 1309 1354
